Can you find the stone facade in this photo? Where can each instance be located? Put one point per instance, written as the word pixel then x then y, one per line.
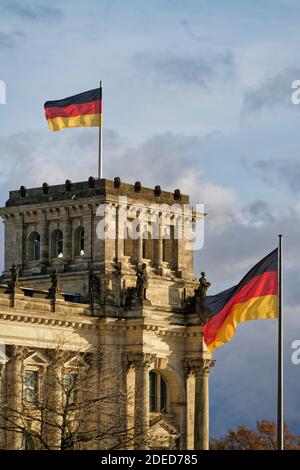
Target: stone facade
pixel 151 347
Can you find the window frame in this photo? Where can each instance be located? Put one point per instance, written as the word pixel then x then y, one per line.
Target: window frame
pixel 36 396
pixel 156 398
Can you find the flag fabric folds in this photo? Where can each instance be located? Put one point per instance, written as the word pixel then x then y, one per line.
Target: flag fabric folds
pixel 255 297
pixel 82 110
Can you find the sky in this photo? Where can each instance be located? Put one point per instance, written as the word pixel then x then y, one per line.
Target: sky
pixel 197 96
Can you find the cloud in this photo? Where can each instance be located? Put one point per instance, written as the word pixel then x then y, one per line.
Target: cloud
pixel 259 212
pixel 200 71
pixel 9 39
pixel 278 170
pixel 274 90
pixel 190 32
pixel 32 13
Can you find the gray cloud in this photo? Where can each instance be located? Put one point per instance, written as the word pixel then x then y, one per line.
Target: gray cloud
pixel 285 170
pixel 259 212
pixel 191 33
pixel 273 90
pixel 32 13
pixel 200 71
pixel 10 39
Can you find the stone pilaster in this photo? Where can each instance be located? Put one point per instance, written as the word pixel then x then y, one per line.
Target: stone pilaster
pixel 19 241
pixel 199 369
pixel 54 390
pixel 68 237
pixel 143 363
pixel 43 229
pixel 129 402
pixel 87 222
pixel 160 242
pixel 14 383
pixel 140 248
pixel 9 242
pixel 121 218
pixel 190 409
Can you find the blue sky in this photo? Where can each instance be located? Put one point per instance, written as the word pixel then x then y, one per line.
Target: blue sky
pixel 197 95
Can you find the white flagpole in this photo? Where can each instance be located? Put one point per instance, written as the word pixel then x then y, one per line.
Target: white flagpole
pixel 280 420
pixel 100 137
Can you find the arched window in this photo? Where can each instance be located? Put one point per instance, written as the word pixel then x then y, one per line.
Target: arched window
pixel 157 393
pixel 57 244
pixel 27 443
pixel 79 241
pixel 37 247
pixel 147 245
pixel 34 246
pixel 59 248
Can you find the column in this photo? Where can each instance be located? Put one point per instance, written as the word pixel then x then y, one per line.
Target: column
pixel 87 222
pixel 68 237
pixel 54 405
pixel 121 233
pixel 140 248
pixel 9 224
pixel 129 402
pixel 160 241
pixel 181 412
pixel 14 398
pixel 2 401
pixel 143 362
pixel 190 409
pixel 19 241
pixel 43 229
pixel 202 404
pixel 200 369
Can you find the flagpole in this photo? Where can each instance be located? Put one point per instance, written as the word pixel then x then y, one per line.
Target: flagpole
pixel 280 351
pixel 100 136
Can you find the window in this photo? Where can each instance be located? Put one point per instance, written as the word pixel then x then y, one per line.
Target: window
pixel 79 241
pixel 59 245
pixel 27 443
pixel 157 393
pixel 70 387
pixel 31 386
pixel 34 246
pixel 37 247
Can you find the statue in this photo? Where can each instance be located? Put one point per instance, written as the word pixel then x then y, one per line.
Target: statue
pixel 142 283
pixel 200 294
pixel 54 290
pixel 201 291
pixel 195 304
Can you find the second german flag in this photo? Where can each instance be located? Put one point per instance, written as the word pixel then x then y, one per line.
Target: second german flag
pixel 82 110
pixel 255 297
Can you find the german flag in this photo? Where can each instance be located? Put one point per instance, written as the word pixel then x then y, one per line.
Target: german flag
pixel 82 110
pixel 255 297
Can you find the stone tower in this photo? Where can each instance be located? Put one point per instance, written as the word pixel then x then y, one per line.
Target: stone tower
pixel 125 250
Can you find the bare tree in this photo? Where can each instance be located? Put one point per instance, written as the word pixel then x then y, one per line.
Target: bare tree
pixel 75 403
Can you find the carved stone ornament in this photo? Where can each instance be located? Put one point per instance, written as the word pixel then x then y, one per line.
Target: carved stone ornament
pixel 199 367
pixel 140 359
